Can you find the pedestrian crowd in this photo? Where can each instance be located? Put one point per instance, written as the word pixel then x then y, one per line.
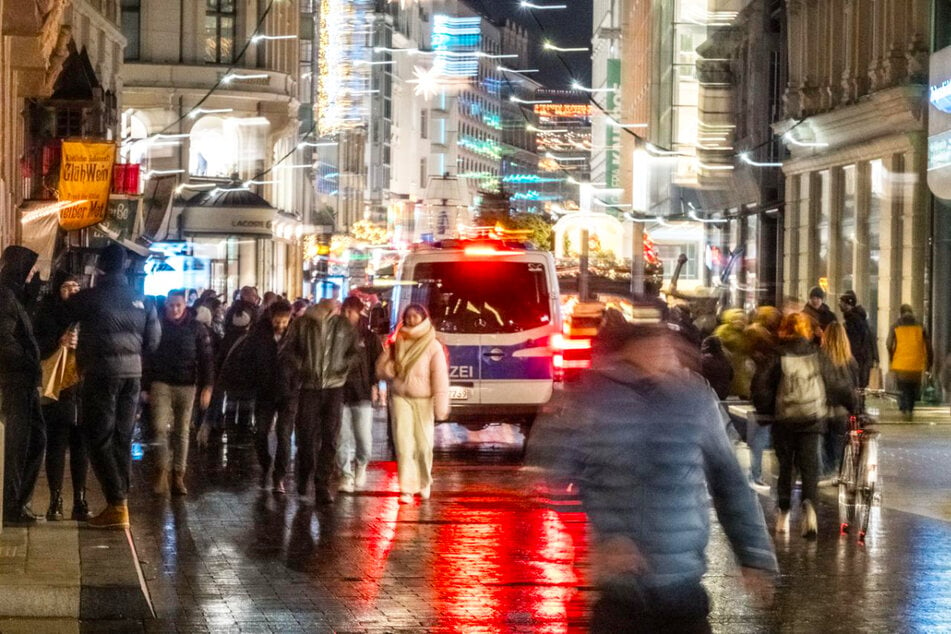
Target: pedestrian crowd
pixel 77 367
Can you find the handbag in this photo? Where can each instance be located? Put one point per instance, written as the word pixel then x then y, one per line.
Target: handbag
pixel 875 381
pixel 59 372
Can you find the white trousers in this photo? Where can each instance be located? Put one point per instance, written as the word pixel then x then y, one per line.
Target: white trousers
pixel 413 424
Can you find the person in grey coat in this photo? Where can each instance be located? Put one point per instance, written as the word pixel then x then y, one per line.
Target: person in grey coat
pixel 644 443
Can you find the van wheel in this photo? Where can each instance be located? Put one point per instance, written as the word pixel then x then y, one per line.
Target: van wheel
pixel 525 427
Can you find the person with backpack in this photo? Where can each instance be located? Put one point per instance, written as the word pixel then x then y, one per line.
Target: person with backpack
pixel 793 389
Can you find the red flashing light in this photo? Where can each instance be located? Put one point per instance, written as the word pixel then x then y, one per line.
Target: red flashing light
pixel 479 251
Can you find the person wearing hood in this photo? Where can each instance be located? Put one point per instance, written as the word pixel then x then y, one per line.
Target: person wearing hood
pixel 733 337
pixel 819 312
pixel 54 330
pixel 116 327
pixel 909 356
pixel 861 339
pixel 416 364
pixel 763 336
pixel 322 348
pixel 20 376
pixel 715 366
pixel 794 389
pixel 642 440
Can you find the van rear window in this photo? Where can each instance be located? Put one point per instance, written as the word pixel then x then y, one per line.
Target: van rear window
pixel 483 297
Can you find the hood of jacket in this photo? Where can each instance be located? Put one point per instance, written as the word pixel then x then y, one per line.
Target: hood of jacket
pixel 711 345
pixel 15 265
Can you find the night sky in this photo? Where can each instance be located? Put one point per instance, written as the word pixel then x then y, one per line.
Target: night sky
pixel 566 28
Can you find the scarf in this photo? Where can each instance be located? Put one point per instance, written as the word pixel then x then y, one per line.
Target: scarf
pixel 410 345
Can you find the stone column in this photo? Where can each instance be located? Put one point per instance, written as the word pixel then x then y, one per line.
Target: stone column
pixel 796 53
pixel 916 228
pixel 808 232
pixel 834 272
pixel 879 44
pixel 791 236
pixel 890 260
pixel 863 199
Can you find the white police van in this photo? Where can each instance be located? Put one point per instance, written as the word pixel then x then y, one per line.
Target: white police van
pixel 495 305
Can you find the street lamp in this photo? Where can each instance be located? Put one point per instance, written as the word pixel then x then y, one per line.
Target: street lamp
pixel 577 86
pixel 548 46
pixel 542 7
pixel 524 71
pixel 530 102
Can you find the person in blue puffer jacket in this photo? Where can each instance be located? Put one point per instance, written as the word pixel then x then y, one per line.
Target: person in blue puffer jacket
pixel 643 441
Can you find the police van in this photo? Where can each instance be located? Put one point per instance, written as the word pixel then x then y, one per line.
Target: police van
pixel 495 305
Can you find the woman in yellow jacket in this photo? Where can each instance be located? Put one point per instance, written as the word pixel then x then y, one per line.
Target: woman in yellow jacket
pixel 415 363
pixel 909 354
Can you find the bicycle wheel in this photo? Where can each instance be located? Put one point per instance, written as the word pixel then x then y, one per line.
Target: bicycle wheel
pixel 865 490
pixel 847 488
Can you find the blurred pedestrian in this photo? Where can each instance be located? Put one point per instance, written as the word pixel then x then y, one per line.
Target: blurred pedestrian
pixel 54 331
pixel 180 369
pixel 841 397
pixel 643 442
pixel 909 356
pixel 733 337
pixel 234 378
pixel 819 312
pixel 359 393
pixel 861 339
pixel 20 374
pixel 763 337
pixel 116 326
pixel 415 362
pixel 275 400
pixel 715 366
pixel 323 348
pixel 793 389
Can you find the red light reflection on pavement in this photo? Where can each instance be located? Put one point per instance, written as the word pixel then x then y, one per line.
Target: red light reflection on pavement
pixel 499 568
pixel 382 531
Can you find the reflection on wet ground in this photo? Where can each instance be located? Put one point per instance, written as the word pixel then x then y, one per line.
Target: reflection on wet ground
pixel 481 556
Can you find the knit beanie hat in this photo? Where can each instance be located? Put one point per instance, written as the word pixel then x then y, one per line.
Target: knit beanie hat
pixel 817 291
pixel 112 258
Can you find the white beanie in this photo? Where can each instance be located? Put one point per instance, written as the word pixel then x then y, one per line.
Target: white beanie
pixel 203 315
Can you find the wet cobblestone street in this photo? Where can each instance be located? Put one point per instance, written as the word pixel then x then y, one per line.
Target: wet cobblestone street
pixel 481 556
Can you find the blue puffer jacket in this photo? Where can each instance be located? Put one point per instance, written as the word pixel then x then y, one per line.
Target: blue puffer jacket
pixel 647 456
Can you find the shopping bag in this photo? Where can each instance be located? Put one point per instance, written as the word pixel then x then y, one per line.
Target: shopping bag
pixel 59 372
pixel 875 382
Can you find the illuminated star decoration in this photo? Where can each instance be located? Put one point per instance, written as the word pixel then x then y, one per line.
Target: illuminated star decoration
pixel 427 81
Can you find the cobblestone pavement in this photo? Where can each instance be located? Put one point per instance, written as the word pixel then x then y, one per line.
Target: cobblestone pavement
pixel 482 557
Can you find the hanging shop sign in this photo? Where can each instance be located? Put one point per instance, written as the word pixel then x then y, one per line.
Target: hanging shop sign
pixel 122 222
pixel 229 221
pixel 85 178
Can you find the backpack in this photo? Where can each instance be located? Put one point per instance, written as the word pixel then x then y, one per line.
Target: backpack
pixel 802 390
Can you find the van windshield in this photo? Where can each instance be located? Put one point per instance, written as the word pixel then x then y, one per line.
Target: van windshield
pixel 483 297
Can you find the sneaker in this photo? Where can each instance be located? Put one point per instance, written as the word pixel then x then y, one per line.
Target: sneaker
pixel 828 482
pixel 759 486
pixel 782 522
pixel 360 478
pixel 346 485
pixel 406 498
pixel 113 516
pixel 279 487
pixel 809 525
pixel 425 492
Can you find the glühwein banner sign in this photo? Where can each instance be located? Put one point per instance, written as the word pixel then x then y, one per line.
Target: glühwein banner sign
pixel 85 177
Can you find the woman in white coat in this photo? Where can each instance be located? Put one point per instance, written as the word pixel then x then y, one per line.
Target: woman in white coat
pixel 415 363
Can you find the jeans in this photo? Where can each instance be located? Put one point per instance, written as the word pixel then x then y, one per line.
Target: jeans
pixel 907 394
pixel 796 450
pixel 682 609
pixel 264 414
pixel 833 444
pixel 413 435
pixel 24 443
pixel 318 425
pixel 109 405
pixel 757 437
pixel 63 432
pixel 172 408
pixel 356 437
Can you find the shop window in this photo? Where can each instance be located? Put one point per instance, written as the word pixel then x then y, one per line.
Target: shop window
pixel 219 31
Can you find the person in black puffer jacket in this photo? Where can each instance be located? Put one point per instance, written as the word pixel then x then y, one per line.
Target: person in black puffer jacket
pixel 116 326
pixel 715 366
pixel 20 376
pixel 181 367
pixel 53 330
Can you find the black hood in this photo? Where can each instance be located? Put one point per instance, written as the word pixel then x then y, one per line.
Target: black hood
pixel 15 264
pixel 711 345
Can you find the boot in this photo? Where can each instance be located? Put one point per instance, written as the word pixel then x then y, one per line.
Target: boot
pixel 113 516
pixel 178 483
pixel 80 507
pixel 55 512
pixel 161 482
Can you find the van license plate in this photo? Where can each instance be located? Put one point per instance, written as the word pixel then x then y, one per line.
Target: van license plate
pixel 458 393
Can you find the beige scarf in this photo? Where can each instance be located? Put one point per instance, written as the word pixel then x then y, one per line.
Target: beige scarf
pixel 410 345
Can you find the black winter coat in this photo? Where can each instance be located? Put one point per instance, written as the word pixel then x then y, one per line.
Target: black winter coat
pixel 19 354
pixel 184 355
pixel 362 376
pixel 116 327
pixel 254 368
pixel 716 367
pixel 860 337
pixel 50 323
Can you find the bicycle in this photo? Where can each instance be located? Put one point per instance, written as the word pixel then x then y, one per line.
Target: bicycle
pixel 858 476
